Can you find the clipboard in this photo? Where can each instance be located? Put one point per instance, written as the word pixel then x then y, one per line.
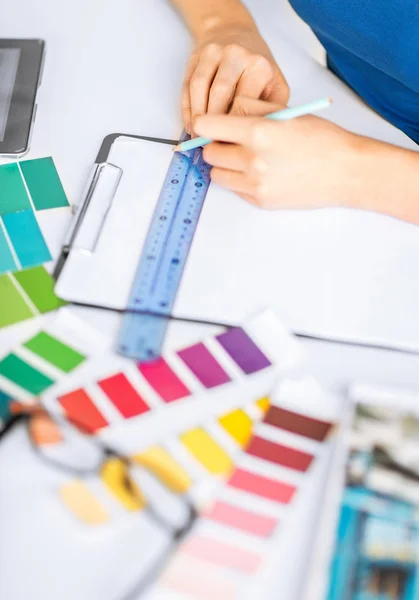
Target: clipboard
pixel 308 266
pixel 101 251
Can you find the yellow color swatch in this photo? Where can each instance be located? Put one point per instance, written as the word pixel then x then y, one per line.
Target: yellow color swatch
pixel 115 475
pixel 163 466
pixel 238 424
pixel 82 503
pixel 207 451
pixel 263 404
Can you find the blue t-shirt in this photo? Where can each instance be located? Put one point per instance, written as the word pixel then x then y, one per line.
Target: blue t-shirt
pixel 372 45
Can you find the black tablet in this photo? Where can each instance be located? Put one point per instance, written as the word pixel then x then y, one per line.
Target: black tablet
pixel 21 64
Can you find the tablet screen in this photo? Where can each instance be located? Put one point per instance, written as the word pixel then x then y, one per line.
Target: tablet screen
pixel 9 61
pixel 20 72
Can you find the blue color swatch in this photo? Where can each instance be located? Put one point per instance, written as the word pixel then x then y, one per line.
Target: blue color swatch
pixel 26 237
pixel 7 262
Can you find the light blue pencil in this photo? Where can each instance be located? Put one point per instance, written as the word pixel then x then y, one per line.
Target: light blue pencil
pixel 280 115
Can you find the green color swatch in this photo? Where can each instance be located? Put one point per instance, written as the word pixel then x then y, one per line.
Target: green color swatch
pixel 13 196
pixel 4 405
pixel 39 286
pixel 55 352
pixel 23 374
pixel 13 307
pixel 44 183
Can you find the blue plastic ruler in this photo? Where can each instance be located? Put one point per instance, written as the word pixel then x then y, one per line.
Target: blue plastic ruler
pixel 164 254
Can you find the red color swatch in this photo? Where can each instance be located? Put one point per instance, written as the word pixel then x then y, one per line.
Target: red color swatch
pixel 164 381
pixel 262 486
pixel 123 395
pixel 288 420
pixel 79 406
pixel 279 454
pixel 240 518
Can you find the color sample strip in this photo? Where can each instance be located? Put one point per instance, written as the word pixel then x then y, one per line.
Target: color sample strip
pixel 195 579
pixel 82 503
pixel 164 381
pixel 13 307
pixel 262 486
pixel 55 352
pixel 4 405
pixel 39 286
pixel 26 237
pixel 206 451
pixel 239 425
pixel 161 463
pixel 44 184
pixel 243 350
pixel 116 477
pixel 221 553
pixel 23 374
pixel 123 395
pixel 263 404
pixel 279 454
pixel 79 407
pixel 44 431
pixel 239 518
pixel 309 427
pixel 203 365
pixel 13 196
pixel 7 262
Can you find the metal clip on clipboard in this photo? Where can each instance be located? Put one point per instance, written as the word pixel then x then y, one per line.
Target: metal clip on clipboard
pixel 92 212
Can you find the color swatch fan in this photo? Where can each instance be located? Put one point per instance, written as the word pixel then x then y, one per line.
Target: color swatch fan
pixel 26 188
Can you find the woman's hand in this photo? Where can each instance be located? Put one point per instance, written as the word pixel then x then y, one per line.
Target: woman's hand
pixel 230 61
pixel 306 162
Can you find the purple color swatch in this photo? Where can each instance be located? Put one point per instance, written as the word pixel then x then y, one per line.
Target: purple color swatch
pixel 243 350
pixel 204 366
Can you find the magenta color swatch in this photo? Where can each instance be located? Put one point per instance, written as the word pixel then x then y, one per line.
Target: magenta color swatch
pixel 204 366
pixel 164 381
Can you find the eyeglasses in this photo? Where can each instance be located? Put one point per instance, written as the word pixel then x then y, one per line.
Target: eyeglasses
pixel 65 444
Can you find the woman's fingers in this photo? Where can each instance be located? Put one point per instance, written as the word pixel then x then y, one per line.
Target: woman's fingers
pixel 227 156
pixel 225 128
pixel 225 82
pixel 186 93
pixel 256 78
pixel 249 107
pixel 201 79
pixel 232 180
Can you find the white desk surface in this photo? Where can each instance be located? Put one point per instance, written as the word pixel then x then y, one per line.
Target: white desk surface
pixel 103 74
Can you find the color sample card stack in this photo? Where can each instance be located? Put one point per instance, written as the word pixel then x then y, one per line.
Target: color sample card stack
pixel 230 544
pixel 223 371
pixel 25 188
pixel 190 462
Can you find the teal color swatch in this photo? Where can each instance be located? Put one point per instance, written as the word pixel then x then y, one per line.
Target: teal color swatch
pixel 44 183
pixel 4 405
pixel 13 196
pixel 26 237
pixel 7 262
pixel 23 374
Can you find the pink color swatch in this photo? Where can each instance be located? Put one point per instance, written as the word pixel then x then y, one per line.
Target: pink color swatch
pixel 221 553
pixel 240 518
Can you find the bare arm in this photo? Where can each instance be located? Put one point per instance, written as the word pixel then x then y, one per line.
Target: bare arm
pixel 202 16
